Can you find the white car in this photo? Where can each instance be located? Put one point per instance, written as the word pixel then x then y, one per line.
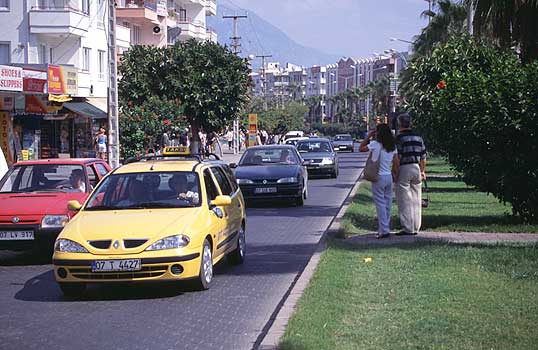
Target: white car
pixel 293 133
pixel 293 140
pixel 3 164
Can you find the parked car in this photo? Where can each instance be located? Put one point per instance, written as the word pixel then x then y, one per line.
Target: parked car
pixel 155 219
pixel 273 172
pixel 34 196
pixel 343 142
pixel 3 164
pixel 319 156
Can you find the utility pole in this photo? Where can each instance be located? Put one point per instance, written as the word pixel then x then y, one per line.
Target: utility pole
pixel 263 57
pixel 235 38
pixel 236 45
pixel 112 96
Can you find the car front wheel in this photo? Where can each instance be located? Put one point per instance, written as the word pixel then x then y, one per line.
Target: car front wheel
pixel 206 267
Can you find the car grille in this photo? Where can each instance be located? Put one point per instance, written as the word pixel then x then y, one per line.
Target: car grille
pixel 268 181
pixel 102 244
pixel 86 273
pixel 133 243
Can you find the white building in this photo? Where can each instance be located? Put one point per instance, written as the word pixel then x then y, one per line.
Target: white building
pixel 164 22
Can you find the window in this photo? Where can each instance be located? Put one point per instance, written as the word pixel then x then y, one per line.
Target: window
pixel 231 177
pixel 42 54
pixel 223 182
pixel 135 35
pixel 182 15
pixel 101 60
pixel 86 54
pixel 101 13
pixel 5 51
pixel 211 189
pixel 92 176
pixel 4 5
pixel 86 7
pixel 101 169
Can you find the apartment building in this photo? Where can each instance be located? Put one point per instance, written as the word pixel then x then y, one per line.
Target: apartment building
pixel 60 48
pixel 164 22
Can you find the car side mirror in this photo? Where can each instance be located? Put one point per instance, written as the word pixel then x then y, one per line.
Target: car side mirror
pixel 221 201
pixel 232 165
pixel 74 205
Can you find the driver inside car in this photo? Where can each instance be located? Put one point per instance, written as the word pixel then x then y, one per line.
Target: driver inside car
pixel 180 186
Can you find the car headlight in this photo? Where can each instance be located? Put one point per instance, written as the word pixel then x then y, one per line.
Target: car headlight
pixel 68 246
pixel 54 221
pixel 327 161
pixel 244 181
pixel 287 180
pixel 172 242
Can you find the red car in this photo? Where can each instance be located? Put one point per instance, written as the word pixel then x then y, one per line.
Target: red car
pixel 34 196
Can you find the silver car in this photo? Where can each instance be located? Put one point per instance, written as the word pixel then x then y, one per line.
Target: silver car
pixel 343 142
pixel 319 156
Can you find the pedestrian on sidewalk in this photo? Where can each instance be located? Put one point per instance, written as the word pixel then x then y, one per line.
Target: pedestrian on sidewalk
pixel 229 138
pixel 100 143
pixel 381 143
pixel 410 173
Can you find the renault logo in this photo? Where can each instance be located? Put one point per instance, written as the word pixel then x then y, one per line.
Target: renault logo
pixel 264 182
pixel 15 219
pixel 116 244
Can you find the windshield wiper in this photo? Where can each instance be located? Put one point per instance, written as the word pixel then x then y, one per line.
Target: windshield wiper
pixel 103 207
pixel 250 164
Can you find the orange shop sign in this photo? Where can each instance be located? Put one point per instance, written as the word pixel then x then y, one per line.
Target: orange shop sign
pixel 62 80
pixel 10 78
pixel 5 136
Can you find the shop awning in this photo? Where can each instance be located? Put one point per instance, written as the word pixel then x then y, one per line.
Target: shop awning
pixel 93 110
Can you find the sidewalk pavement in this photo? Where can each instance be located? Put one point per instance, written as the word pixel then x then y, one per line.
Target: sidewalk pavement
pixel 447 237
pixel 229 157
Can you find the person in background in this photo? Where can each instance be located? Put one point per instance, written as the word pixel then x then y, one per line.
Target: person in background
pixel 410 173
pixel 229 136
pixel 380 142
pixel 165 140
pixel 100 143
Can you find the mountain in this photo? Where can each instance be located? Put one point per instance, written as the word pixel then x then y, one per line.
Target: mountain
pixel 260 37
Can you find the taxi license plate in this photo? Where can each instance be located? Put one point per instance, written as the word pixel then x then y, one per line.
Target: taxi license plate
pixel 265 190
pixel 16 235
pixel 116 265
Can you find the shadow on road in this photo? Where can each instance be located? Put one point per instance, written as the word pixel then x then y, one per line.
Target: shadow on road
pixel 25 258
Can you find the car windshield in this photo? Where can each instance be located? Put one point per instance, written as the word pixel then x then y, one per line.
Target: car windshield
pixel 314 146
pixel 44 178
pixel 266 156
pixel 342 138
pixel 146 190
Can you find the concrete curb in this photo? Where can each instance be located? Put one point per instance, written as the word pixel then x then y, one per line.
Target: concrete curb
pixel 280 321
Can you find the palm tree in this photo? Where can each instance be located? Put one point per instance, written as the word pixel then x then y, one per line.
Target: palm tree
pixel 508 23
pixel 450 19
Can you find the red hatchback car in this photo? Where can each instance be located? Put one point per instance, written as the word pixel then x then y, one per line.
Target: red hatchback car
pixel 34 196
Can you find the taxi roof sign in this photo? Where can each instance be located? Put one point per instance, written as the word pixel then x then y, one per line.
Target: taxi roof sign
pixel 176 151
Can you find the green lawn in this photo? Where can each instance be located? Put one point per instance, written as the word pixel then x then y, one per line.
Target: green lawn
pixel 419 296
pixel 453 207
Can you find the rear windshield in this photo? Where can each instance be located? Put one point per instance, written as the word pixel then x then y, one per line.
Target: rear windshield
pixel 269 156
pixel 44 178
pixel 146 190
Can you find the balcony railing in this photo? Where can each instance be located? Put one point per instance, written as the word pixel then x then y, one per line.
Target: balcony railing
pixel 59 5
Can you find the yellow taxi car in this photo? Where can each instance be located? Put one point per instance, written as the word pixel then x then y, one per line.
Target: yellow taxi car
pixel 158 218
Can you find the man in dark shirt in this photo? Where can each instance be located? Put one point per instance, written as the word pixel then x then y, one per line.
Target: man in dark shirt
pixel 410 173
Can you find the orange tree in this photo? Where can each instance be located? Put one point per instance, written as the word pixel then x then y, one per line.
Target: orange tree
pixel 478 105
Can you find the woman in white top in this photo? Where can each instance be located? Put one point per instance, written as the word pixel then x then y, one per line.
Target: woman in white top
pixel 380 142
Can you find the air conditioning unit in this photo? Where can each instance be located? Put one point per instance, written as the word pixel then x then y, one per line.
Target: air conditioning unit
pixel 156 30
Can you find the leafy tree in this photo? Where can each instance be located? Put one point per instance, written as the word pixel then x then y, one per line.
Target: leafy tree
pixel 479 106
pixel 207 81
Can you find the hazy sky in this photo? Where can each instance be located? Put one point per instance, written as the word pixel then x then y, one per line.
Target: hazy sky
pixel 343 27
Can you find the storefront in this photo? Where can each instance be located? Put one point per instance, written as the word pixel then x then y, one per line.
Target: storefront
pixel 39 117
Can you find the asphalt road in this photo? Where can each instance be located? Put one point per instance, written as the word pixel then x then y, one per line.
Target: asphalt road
pixel 233 314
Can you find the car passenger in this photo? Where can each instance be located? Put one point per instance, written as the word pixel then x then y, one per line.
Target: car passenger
pixel 135 194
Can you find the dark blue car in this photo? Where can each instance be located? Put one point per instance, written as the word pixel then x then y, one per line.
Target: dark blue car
pixel 271 173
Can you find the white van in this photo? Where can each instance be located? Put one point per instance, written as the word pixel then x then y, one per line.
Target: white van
pixel 294 133
pixel 3 164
